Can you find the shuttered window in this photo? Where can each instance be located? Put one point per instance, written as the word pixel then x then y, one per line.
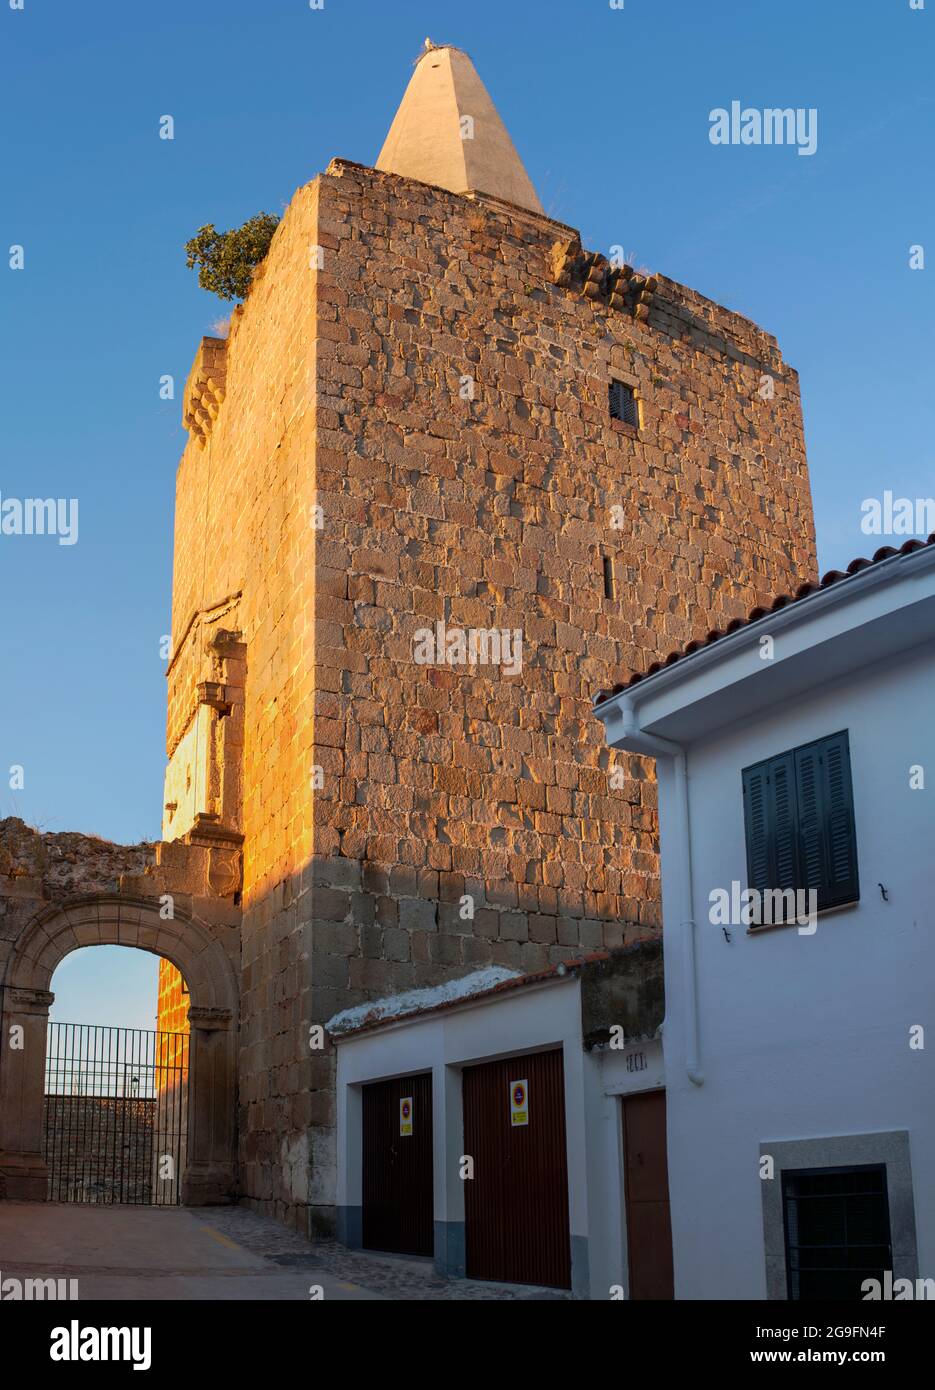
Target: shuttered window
pixel 623 404
pixel 799 819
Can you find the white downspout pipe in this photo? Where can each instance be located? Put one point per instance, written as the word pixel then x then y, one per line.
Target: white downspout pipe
pixel 640 742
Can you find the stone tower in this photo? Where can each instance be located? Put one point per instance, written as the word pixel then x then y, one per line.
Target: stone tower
pixel 407 439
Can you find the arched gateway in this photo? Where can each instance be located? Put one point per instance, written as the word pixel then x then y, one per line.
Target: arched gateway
pixel 117 920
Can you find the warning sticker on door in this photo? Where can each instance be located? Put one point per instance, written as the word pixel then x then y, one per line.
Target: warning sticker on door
pixel 405 1116
pixel 519 1102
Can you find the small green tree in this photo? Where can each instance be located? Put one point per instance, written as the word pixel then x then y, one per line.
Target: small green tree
pixel 228 259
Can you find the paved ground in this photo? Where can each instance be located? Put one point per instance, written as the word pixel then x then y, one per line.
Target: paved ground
pixel 222 1253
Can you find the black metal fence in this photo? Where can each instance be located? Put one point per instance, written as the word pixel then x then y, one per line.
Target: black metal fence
pixel 116 1114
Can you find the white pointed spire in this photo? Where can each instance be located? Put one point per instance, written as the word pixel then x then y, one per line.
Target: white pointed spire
pixel 447 132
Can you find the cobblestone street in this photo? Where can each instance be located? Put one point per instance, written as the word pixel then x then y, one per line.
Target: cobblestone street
pixel 384 1276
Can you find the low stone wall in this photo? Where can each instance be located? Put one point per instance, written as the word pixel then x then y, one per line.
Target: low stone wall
pixel 102 1149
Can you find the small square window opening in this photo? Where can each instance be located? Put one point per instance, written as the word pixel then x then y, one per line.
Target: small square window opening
pixel 623 404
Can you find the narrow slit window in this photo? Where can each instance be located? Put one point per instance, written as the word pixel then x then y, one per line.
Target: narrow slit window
pixel 623 404
pixel 609 587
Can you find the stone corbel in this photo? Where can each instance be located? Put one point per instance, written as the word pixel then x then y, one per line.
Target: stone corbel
pixel 591 274
pixel 214 694
pixel 210 1020
pixel 227 644
pixel 30 1001
pixel 205 388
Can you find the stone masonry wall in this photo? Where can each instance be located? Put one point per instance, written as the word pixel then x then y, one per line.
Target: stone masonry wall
pixel 244 561
pixel 172 1000
pixel 483 504
pixel 65 891
pixel 497 511
pixel 38 867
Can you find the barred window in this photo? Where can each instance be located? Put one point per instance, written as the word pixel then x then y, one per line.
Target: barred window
pixel 837 1229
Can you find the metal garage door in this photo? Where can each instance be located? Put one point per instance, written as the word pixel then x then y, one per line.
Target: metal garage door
pixel 516 1205
pixel 397 1166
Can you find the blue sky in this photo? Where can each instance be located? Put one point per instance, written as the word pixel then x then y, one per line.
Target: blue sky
pixel 116 985
pixel 609 110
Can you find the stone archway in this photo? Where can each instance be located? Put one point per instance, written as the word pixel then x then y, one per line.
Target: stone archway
pixel 112 920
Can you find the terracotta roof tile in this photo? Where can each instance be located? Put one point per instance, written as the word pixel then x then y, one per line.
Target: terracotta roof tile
pixel 804 591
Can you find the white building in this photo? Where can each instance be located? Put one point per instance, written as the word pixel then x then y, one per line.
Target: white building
pixel 482 1123
pixel 798 751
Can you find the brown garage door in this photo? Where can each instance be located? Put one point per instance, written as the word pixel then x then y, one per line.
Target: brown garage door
pixel 649 1233
pixel 516 1205
pixel 397 1166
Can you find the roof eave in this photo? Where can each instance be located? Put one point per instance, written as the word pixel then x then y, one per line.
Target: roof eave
pixel 624 729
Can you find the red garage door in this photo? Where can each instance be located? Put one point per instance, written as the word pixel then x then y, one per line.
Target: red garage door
pixel 397 1166
pixel 516 1205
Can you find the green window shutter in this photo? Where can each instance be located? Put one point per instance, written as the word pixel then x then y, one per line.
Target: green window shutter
pixel 842 884
pixel 827 845
pixel 770 823
pixel 757 824
pixel 799 822
pixel 810 796
pixel 785 866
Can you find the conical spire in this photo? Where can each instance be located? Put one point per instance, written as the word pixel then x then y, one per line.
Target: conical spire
pixel 447 132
